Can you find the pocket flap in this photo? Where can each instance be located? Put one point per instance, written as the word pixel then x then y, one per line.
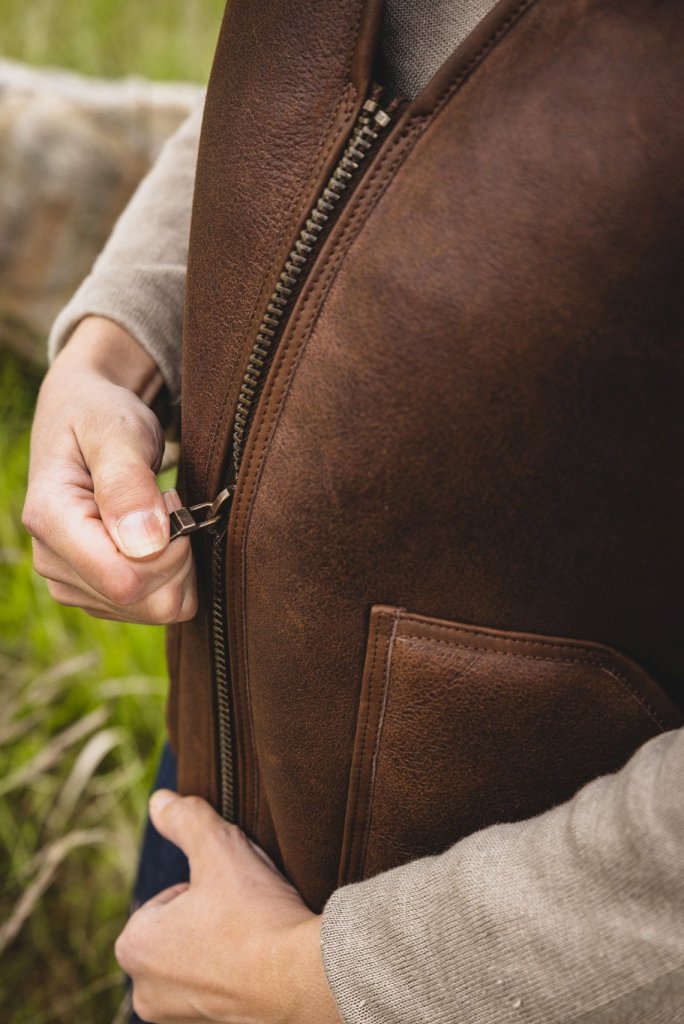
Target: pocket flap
pixel 460 727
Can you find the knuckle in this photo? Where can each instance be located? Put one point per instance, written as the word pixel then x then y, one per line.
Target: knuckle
pixel 113 489
pixel 132 942
pixel 188 812
pixel 234 834
pixel 125 589
pixel 191 805
pixel 33 517
pixel 123 951
pixel 166 604
pixel 156 434
pixel 133 425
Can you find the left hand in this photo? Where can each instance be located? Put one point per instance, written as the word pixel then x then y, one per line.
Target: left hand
pixel 235 944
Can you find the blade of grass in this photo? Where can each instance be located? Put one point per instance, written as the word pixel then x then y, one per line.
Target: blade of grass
pixel 85 766
pixel 51 754
pixel 52 857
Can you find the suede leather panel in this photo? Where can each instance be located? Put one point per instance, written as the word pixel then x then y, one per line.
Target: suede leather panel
pixel 484 705
pixel 287 81
pixel 254 799
pixel 280 102
pixel 476 411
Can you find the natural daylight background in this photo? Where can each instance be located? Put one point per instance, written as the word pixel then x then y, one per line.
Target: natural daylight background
pixel 81 700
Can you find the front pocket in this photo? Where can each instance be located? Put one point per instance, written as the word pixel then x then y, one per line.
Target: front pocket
pixel 460 727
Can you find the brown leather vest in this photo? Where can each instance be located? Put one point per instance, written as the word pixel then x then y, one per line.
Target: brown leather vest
pixel 450 592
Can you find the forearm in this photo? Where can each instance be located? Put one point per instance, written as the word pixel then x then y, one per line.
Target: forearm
pixel 138 281
pixel 577 914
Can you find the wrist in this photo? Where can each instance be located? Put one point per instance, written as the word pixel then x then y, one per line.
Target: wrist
pixel 313 1001
pixel 101 346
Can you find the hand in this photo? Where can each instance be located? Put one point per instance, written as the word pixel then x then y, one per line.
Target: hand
pixel 99 523
pixel 236 944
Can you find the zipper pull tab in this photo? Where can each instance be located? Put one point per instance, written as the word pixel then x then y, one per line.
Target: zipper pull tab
pixel 206 515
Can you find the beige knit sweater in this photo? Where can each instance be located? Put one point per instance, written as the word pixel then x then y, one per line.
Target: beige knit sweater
pixel 576 915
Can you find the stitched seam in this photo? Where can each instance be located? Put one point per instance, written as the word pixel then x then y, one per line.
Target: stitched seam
pixel 371 194
pixel 258 299
pixel 609 670
pixel 327 273
pixel 351 91
pixel 376 746
pixel 360 765
pixel 323 277
pixel 318 160
pixel 461 631
pixel 247 500
pixel 477 58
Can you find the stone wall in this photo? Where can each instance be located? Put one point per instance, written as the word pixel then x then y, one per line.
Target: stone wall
pixel 72 150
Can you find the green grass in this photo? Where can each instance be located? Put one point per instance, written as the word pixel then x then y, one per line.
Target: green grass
pixel 81 722
pixel 163 39
pixel 81 714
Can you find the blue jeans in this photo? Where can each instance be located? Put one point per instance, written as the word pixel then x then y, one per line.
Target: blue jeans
pixel 161 863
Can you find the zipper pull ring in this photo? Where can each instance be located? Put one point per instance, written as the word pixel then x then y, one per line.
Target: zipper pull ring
pixel 190 519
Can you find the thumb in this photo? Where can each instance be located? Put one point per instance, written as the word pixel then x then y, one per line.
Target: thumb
pixel 126 493
pixel 187 821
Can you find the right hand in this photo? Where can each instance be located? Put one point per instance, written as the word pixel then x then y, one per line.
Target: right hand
pixel 100 524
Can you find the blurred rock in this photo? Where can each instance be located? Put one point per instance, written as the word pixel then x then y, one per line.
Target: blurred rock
pixel 72 150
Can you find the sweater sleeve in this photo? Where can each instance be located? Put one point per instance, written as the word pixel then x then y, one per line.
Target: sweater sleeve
pixel 139 277
pixel 575 915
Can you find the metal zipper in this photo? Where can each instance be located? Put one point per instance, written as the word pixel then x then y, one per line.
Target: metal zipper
pixel 206 515
pixel 371 123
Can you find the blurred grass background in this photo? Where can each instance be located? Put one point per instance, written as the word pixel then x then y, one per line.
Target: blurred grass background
pixel 81 715
pixel 162 39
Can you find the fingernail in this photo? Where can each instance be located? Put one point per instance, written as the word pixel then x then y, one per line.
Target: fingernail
pixel 140 533
pixel 161 798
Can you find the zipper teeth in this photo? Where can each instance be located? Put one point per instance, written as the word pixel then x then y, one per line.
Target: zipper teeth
pixel 365 133
pixel 369 126
pixel 222 681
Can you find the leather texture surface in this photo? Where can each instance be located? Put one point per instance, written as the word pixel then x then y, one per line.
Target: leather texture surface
pixel 475 413
pixel 455 726
pixel 281 100
pixel 287 81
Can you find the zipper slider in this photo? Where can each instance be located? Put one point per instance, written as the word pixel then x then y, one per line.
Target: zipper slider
pixel 190 519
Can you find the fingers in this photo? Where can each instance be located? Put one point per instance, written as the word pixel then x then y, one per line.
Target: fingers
pixel 100 523
pixel 192 825
pixel 168 592
pixel 212 845
pixel 149 576
pixel 123 471
pixel 164 607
